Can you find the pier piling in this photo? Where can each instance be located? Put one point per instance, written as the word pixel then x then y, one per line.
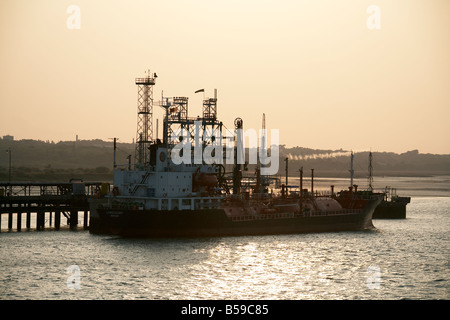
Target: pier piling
pixel 85 220
pixel 10 221
pixel 40 220
pixel 73 221
pixel 19 221
pixel 57 219
pixel 28 222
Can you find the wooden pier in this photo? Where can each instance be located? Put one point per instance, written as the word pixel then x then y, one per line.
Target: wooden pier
pixel 47 202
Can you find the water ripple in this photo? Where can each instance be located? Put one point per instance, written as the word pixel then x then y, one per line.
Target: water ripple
pixel 410 256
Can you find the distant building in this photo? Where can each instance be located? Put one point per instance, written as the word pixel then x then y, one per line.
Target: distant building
pixel 8 138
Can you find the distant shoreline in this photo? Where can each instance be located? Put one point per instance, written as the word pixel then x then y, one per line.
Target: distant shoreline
pixel 32 160
pixel 359 175
pixel 61 176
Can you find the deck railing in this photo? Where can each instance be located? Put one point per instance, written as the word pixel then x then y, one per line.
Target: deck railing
pixel 286 215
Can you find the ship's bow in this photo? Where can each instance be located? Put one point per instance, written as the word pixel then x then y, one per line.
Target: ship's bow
pixel 368 211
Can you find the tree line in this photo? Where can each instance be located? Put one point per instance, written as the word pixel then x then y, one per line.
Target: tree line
pixel 92 160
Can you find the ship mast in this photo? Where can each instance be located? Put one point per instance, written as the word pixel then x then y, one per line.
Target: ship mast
pixel 263 151
pixel 351 169
pixel 370 178
pixel 238 156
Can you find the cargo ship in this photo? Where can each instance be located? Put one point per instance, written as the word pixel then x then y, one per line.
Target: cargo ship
pixel 160 197
pixel 391 205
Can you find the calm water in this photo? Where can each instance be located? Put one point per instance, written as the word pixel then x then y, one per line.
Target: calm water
pixel 401 259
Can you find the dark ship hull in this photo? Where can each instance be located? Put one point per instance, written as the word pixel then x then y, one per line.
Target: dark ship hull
pixel 390 207
pixel 394 209
pixel 215 222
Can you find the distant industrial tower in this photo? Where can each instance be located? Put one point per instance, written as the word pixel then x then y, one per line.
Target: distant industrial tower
pixel 144 133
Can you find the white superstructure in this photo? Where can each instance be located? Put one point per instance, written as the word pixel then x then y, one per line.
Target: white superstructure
pixel 165 186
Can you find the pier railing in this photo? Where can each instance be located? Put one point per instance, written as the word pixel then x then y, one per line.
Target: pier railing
pixel 48 188
pixel 46 202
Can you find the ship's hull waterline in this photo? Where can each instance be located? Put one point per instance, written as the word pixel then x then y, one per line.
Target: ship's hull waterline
pixel 215 222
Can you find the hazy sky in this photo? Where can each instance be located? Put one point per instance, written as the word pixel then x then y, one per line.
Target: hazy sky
pixel 321 70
